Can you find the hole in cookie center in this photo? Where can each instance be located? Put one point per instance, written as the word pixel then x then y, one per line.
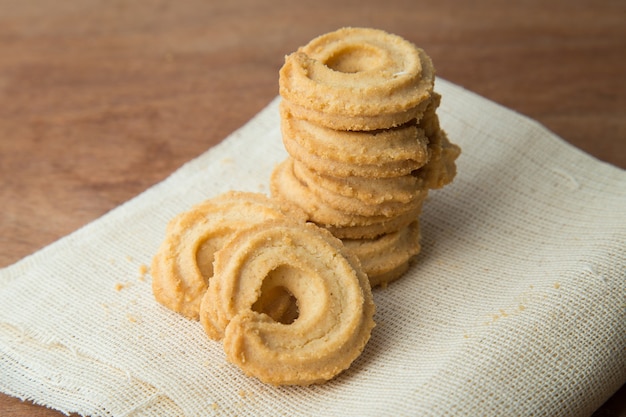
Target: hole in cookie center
pixel 279 304
pixel 276 300
pixel 205 255
pixel 353 59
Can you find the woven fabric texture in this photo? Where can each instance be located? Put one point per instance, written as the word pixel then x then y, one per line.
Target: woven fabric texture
pixel 515 306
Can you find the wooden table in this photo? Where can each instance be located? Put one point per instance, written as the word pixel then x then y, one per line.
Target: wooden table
pixel 100 100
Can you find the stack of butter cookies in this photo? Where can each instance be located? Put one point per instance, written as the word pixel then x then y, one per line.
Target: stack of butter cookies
pixel 284 283
pixel 359 122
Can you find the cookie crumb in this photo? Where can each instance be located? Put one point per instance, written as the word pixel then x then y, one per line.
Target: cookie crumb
pixel 143 270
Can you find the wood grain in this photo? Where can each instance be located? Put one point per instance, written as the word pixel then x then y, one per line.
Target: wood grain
pixel 100 100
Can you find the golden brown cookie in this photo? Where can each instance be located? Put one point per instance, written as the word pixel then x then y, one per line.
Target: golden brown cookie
pixel 402 189
pixel 355 205
pixel 441 168
pixel 285 186
pixel 429 122
pixel 183 265
pixel 385 278
pixel 357 79
pixel 334 300
pixel 339 168
pixel 384 226
pixel 378 150
pixel 386 257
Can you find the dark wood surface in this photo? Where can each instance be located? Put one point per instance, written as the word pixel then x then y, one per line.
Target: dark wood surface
pixel 101 99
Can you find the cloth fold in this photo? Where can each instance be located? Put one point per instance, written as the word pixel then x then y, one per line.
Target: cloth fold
pixel 515 306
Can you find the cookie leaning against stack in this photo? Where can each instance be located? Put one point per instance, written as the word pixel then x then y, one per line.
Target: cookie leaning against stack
pixel 291 305
pixel 358 119
pixel 183 265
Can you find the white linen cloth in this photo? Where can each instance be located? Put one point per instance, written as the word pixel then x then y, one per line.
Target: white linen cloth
pixel 516 305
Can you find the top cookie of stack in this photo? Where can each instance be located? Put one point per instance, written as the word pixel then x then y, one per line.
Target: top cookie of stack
pixel 359 121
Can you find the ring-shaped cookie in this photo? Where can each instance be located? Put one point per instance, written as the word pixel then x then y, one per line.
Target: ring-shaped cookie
pixel 377 147
pixel 355 205
pixel 403 189
pixel 285 186
pixel 335 305
pixel 341 169
pixel 386 257
pixel 357 79
pixel 183 265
